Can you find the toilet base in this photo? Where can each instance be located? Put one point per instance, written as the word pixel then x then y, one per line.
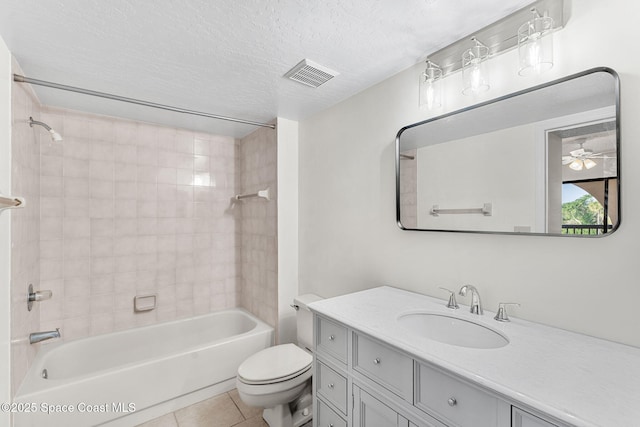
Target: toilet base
pixel 294 414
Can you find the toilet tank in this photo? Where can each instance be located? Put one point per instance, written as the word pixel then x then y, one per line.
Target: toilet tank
pixel 304 319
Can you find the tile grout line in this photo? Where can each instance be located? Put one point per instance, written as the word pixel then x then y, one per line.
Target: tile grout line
pixel 237 407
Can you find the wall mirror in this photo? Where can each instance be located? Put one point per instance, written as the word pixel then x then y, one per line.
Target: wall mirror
pixel 542 161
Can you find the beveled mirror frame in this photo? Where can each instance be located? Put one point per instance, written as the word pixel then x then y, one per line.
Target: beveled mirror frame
pixel 616 82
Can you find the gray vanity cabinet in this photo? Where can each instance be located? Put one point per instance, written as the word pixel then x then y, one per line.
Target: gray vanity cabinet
pixel 360 381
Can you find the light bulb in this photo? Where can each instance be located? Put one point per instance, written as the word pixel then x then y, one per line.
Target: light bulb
pixel 588 163
pixel 535 45
pixel 430 92
pixel 475 74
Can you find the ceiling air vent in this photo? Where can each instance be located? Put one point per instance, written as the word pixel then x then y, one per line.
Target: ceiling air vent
pixel 311 74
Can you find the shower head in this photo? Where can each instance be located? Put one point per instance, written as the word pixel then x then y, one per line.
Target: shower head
pixel 55 136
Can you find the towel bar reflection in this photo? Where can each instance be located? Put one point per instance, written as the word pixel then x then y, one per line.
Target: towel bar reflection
pixel 486 210
pixel 263 194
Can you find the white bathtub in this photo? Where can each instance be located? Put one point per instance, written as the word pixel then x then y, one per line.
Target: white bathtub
pixel 140 373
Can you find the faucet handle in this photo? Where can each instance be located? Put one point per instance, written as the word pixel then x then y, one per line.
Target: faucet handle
pixel 452 298
pixel 501 315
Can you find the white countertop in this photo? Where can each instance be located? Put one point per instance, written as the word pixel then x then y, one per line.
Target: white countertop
pixel 581 380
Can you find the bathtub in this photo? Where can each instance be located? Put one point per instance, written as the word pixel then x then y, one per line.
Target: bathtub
pixel 125 378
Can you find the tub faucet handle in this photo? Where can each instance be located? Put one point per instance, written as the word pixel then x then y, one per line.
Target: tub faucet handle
pixel 452 298
pixel 40 295
pixel 34 296
pixel 501 315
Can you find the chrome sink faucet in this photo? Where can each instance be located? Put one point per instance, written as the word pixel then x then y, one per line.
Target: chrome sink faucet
pixel 41 336
pixel 476 304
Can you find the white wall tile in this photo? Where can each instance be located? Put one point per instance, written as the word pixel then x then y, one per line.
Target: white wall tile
pixel 131 208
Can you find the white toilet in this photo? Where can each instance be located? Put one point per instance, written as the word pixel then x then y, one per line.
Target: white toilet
pixel 279 378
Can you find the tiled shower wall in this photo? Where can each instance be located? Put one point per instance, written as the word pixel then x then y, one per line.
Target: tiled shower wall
pixel 25 226
pixel 259 290
pixel 131 209
pixel 409 188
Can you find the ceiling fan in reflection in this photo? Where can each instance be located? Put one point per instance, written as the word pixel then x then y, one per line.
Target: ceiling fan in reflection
pixel 582 158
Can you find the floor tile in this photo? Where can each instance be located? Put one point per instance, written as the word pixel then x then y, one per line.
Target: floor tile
pixel 165 421
pixel 219 411
pixel 246 410
pixel 255 422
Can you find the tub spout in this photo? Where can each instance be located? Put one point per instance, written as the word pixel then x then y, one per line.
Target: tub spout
pixel 41 336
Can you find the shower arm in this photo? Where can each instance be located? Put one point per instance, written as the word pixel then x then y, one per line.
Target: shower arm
pixel 55 136
pixel 35 122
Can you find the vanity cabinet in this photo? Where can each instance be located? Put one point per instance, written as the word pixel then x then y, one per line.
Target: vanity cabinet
pixel 360 381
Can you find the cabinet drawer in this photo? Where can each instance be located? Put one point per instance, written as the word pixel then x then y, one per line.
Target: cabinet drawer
pixel 332 387
pixel 384 365
pixel 331 339
pixel 328 418
pixel 452 400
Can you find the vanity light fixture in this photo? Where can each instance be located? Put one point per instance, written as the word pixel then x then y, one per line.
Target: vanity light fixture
pixel 535 44
pixel 533 40
pixel 430 90
pixel 475 74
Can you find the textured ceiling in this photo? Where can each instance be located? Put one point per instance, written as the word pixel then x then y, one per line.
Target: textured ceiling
pixel 228 57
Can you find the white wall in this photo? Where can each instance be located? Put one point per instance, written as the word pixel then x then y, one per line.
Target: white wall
pixel 497 167
pixel 5 230
pixel 349 240
pixel 287 228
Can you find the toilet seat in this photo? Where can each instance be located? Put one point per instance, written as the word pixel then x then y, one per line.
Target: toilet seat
pixel 275 364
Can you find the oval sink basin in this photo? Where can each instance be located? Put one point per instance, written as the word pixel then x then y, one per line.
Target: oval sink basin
pixel 452 330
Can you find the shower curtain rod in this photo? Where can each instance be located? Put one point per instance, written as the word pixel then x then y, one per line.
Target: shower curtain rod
pixel 23 79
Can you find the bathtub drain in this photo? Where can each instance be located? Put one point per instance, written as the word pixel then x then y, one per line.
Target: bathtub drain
pixel 45 374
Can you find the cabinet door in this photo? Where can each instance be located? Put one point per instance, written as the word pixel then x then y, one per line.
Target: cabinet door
pixel 521 418
pixel 370 412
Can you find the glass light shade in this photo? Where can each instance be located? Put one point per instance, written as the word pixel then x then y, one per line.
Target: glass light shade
pixel 576 165
pixel 430 87
pixel 588 163
pixel 535 45
pixel 475 73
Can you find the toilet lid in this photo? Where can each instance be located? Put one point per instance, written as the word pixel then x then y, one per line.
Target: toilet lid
pixel 275 364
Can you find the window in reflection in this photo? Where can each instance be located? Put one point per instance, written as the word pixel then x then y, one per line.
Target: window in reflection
pixel 585 206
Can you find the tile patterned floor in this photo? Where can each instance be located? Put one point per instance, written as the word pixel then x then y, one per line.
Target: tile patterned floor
pixel 225 410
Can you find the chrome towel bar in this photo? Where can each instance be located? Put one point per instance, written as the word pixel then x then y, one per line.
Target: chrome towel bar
pixel 486 210
pixel 263 194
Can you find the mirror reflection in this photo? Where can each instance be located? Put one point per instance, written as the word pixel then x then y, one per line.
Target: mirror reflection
pixel 540 161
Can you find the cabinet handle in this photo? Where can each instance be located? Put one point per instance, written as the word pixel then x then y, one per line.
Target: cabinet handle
pixel 330 386
pixel 452 401
pixel 331 337
pixel 376 361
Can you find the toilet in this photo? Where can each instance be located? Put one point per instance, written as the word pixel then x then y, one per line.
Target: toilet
pixel 278 378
